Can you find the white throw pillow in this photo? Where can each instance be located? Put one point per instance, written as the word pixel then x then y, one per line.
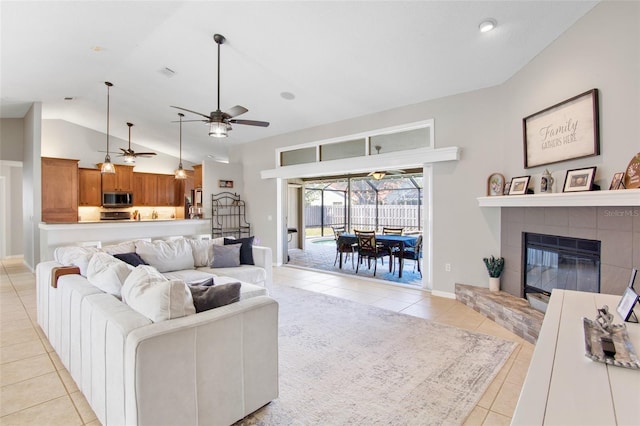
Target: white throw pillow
pixel 166 256
pixel 124 247
pixel 200 250
pixel 152 295
pixel 107 273
pixel 219 241
pixel 75 256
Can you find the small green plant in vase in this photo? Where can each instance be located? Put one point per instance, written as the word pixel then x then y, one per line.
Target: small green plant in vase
pixel 494 265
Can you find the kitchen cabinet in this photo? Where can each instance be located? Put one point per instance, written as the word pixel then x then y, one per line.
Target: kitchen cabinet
pixel 145 189
pixel 59 190
pixel 89 187
pixel 121 181
pixel 166 190
pixel 197 176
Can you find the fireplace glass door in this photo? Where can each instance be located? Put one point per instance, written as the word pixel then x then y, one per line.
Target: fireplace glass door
pixel 561 262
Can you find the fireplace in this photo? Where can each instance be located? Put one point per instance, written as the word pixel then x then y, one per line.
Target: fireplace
pixel 552 261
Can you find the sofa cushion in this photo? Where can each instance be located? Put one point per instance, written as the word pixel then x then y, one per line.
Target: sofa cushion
pixel 247 290
pixel 166 256
pixel 107 273
pixel 189 276
pixel 211 297
pixel 75 256
pixel 124 247
pixel 246 249
pixel 225 256
pixel 148 292
pixel 132 259
pixel 200 250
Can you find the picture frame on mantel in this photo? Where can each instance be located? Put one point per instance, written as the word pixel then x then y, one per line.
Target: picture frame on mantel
pixel 495 184
pixel 519 185
pixel 579 179
pixel 564 131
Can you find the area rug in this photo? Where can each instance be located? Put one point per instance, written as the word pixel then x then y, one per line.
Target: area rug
pixel 344 363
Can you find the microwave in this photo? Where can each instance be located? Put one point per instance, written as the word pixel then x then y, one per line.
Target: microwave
pixel 117 199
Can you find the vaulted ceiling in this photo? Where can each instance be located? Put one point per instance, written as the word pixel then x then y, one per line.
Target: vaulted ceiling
pixel 336 59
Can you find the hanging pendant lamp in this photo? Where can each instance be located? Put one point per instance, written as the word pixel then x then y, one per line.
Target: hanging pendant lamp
pixel 107 166
pixel 180 173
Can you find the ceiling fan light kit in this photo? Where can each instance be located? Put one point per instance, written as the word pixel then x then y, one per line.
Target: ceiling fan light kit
pixel 219 121
pixel 180 173
pixel 107 166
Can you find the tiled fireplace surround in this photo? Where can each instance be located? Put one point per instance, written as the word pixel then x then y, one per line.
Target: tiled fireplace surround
pixel 618 229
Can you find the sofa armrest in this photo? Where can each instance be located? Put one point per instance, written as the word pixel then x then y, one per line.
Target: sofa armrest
pixel 262 257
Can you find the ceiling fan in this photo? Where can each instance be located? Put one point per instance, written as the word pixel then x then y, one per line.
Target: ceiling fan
pixel 377 175
pixel 220 122
pixel 129 154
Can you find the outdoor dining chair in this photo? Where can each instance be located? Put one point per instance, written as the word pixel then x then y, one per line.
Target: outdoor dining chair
pixel 413 253
pixel 368 249
pixel 349 249
pixel 392 231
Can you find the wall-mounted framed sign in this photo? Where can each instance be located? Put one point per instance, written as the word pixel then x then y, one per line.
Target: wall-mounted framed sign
pixel 563 131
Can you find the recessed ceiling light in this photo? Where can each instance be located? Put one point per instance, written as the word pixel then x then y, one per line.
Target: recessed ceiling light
pixel 97 48
pixel 487 25
pixel 288 96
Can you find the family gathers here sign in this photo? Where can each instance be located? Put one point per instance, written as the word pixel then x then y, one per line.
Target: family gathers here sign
pixel 562 132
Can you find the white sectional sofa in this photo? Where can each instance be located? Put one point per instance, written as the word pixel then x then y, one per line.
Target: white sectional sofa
pixel 210 368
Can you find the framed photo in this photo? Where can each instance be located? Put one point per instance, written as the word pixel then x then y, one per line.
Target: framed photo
pixel 632 176
pixel 579 180
pixel 616 182
pixel 563 131
pixel 507 186
pixel 626 305
pixel 519 185
pixel 495 184
pixel 225 184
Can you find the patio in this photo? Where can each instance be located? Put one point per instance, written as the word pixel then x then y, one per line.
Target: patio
pixel 320 253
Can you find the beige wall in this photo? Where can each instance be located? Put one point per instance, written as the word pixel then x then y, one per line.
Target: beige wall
pixel 11 137
pixel 601 50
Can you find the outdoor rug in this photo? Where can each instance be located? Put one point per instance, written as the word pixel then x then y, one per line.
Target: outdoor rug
pixel 344 363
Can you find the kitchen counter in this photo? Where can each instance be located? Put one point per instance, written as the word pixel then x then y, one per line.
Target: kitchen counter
pixel 106 232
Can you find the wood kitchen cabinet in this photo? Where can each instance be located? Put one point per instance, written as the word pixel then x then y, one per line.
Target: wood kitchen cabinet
pixel 166 190
pixel 121 181
pixel 145 189
pixel 89 187
pixel 197 176
pixel 59 190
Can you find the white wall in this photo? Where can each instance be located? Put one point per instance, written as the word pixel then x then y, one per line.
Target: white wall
pixel 61 139
pixel 31 185
pixel 601 50
pixel 212 173
pixel 11 152
pixel 11 136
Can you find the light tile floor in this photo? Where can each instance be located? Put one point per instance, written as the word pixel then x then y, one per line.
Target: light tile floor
pixel 36 389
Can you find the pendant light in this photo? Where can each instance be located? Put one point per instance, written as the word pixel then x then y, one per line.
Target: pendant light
pixel 107 166
pixel 129 158
pixel 180 173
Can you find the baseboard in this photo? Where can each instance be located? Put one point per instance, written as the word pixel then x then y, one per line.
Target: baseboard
pixel 445 294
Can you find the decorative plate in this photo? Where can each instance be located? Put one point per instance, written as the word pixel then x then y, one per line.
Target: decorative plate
pixel 495 184
pixel 632 177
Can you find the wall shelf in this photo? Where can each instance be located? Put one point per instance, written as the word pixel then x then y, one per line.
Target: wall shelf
pixel 620 198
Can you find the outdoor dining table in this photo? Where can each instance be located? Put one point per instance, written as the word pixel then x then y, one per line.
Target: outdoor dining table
pixel 387 241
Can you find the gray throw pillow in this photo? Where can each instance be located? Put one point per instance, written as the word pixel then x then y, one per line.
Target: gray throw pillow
pixel 225 256
pixel 211 297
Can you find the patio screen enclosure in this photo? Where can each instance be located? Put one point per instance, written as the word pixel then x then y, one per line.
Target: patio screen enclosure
pixel 363 203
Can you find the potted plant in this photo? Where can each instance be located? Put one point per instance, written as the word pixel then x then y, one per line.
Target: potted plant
pixel 494 265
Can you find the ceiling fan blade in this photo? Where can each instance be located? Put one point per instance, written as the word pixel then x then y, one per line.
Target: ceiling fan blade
pixel 190 121
pixel 124 150
pixel 144 154
pixel 236 111
pixel 188 110
pixel 251 122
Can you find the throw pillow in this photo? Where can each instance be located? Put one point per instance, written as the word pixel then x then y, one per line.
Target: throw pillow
pixel 132 259
pixel 225 256
pixel 246 250
pixel 166 256
pixel 152 295
pixel 75 256
pixel 205 298
pixel 124 247
pixel 107 273
pixel 200 250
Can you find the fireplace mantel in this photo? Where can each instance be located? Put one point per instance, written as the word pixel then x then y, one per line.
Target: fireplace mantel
pixel 619 198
